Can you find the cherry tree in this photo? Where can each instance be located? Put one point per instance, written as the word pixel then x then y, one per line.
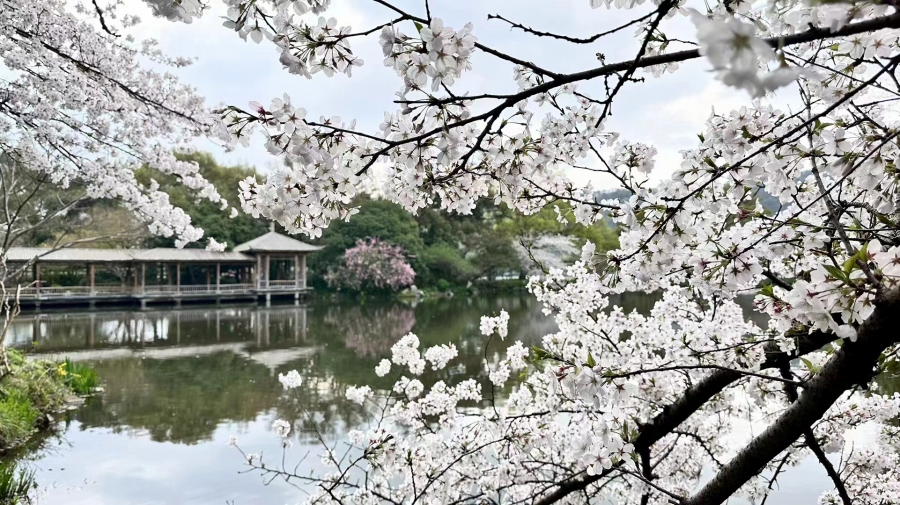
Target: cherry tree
pixel 81 109
pixel 622 407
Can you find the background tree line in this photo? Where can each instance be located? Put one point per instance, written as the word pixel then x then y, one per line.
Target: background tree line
pixel 445 250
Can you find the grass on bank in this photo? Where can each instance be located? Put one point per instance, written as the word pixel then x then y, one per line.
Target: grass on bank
pixel 16 484
pixel 35 389
pixel 80 378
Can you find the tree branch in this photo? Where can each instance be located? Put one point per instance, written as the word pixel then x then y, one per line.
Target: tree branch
pixel 692 400
pixel 850 365
pixel 103 19
pixel 810 437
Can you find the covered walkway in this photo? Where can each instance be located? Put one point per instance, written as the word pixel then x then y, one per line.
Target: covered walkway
pixel 272 264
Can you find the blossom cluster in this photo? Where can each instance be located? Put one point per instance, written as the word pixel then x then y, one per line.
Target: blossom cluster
pixel 372 264
pixel 89 114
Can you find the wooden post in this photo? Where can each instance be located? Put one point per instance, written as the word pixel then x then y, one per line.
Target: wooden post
pixel 178 277
pixel 143 276
pixel 303 269
pixel 218 275
pixel 208 275
pixel 296 270
pixel 91 272
pixel 268 269
pixel 37 278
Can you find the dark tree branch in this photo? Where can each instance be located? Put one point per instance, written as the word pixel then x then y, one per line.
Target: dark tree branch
pixel 692 400
pixel 849 366
pixel 574 40
pixel 810 437
pixel 103 19
pixel 777 280
pixel 890 21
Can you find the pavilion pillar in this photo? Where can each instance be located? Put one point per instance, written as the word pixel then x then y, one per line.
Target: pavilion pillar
pixel 208 277
pixel 218 275
pixel 91 275
pixel 296 270
pixel 303 270
pixel 143 276
pixel 268 269
pixel 178 277
pixel 37 278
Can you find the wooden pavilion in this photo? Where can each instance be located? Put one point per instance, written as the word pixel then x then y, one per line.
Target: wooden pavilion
pixel 270 265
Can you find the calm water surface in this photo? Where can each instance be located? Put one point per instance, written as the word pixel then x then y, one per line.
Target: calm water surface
pixel 180 383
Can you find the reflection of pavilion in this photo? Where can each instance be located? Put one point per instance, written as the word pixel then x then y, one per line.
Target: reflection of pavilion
pixel 267 266
pixel 167 335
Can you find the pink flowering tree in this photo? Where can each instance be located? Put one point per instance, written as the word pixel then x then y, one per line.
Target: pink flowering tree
pixel 372 265
pixel 621 407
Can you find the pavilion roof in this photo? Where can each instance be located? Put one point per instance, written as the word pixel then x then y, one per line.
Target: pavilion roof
pixel 276 242
pixel 162 254
pixel 271 242
pixel 156 255
pixel 69 255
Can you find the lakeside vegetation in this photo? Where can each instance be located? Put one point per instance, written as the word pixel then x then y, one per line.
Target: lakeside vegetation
pixel 31 391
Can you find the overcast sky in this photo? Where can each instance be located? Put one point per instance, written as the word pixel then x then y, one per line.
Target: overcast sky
pixel 667 112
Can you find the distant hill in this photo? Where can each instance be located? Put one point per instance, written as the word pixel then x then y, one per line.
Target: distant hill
pixel 768 201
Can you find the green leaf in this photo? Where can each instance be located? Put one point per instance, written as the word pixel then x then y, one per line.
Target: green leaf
pixel 418 26
pixel 850 264
pixel 884 220
pixel 768 290
pixel 835 272
pixel 590 361
pixel 813 369
pixel 539 353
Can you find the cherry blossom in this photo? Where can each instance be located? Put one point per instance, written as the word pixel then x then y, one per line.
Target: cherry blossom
pixel 88 114
pixel 793 205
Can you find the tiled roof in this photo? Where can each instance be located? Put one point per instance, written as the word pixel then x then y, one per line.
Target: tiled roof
pixel 276 242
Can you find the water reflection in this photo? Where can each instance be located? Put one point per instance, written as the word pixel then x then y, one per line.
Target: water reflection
pixel 180 383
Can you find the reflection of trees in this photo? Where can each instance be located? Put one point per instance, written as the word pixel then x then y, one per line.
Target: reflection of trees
pixel 371 330
pixel 319 408
pixel 180 400
pixel 183 400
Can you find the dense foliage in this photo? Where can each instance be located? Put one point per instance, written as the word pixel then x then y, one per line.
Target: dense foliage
pixel 453 250
pixel 31 390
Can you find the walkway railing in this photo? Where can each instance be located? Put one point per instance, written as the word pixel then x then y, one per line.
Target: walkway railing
pixel 278 284
pixel 49 293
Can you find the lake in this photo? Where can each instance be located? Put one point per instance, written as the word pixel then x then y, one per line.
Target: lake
pixel 180 383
